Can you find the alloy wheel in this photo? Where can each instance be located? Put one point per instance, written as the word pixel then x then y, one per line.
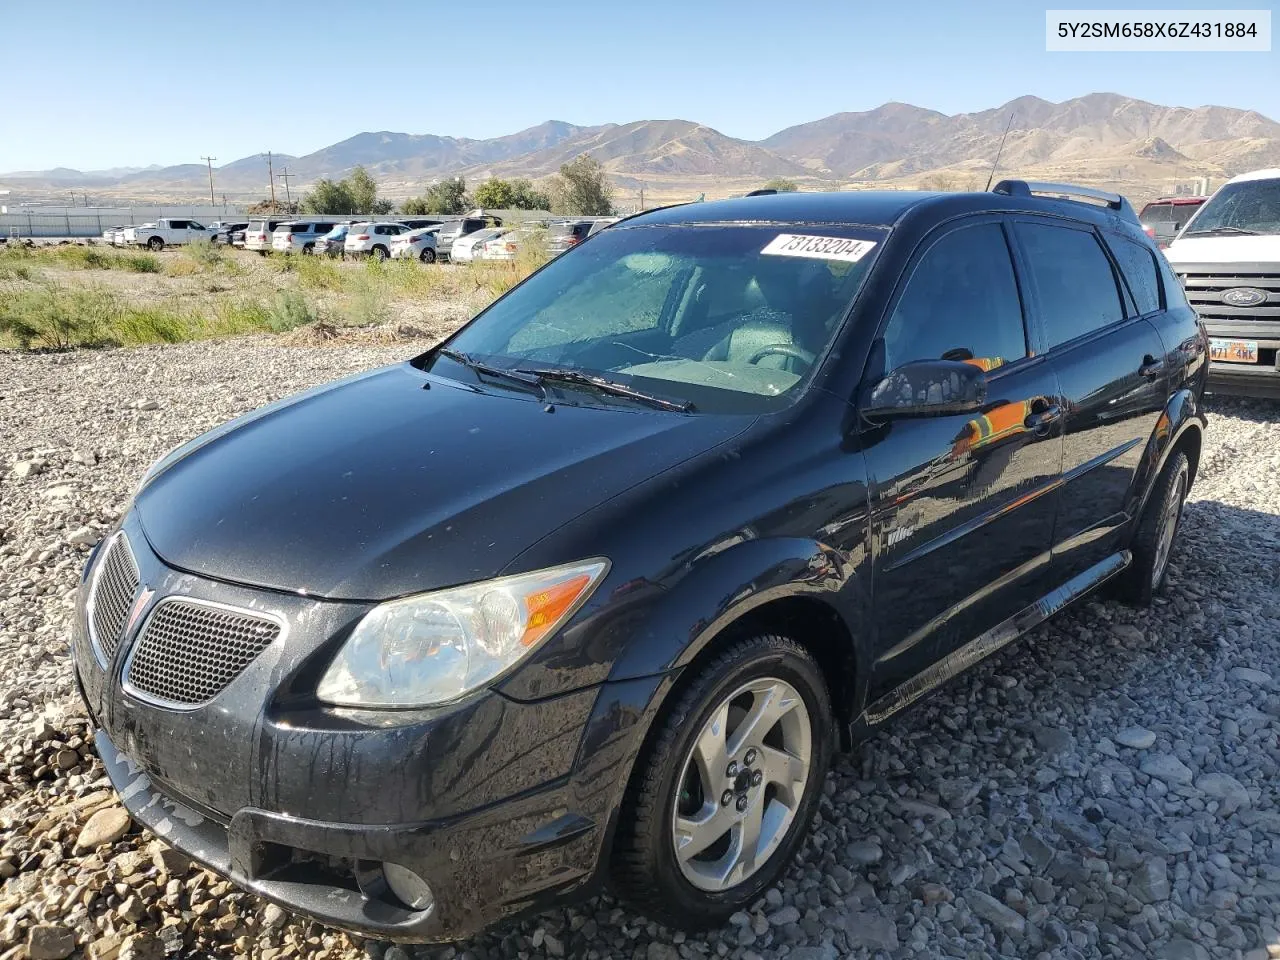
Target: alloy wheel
pixel 1168 527
pixel 741 784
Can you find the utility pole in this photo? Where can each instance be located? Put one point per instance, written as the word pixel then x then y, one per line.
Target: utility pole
pixel 642 198
pixel 285 177
pixel 209 162
pixel 271 180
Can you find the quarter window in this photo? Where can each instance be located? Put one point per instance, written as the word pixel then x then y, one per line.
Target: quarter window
pixel 1139 268
pixel 961 303
pixel 1075 287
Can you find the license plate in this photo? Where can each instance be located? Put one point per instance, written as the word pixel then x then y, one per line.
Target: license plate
pixel 1233 351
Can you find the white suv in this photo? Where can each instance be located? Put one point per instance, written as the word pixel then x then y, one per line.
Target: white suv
pixel 299 236
pixel 373 239
pixel 257 235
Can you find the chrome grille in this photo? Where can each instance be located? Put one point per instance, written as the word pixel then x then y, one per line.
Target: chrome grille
pixel 189 651
pixel 1205 288
pixel 113 590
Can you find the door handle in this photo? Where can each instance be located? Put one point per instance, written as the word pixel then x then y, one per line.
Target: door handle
pixel 1150 366
pixel 1041 421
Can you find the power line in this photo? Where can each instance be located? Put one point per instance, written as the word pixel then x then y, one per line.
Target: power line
pixel 285 177
pixel 271 180
pixel 209 162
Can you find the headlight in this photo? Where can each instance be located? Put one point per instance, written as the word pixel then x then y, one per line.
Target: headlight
pixel 436 647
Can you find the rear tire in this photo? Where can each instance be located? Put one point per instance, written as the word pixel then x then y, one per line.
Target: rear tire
pixel 1157 531
pixel 724 789
pixel 379 253
pixel 308 249
pixel 155 244
pixel 427 256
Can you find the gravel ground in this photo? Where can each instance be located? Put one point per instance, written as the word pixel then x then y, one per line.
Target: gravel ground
pixel 1104 788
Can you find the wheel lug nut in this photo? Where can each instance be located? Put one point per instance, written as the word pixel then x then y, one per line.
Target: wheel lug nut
pixel 756 777
pixel 742 803
pixel 732 771
pixel 726 798
pixel 750 758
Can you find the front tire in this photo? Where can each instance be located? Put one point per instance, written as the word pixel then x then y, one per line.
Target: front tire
pixel 1157 530
pixel 726 785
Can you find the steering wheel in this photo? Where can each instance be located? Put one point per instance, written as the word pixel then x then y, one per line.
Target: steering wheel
pixel 783 350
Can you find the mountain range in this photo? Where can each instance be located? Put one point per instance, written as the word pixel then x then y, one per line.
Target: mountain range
pixel 1101 137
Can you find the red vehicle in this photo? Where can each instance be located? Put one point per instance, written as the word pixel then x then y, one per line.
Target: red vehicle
pixel 1163 218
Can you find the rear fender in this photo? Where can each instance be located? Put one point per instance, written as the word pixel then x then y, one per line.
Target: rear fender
pixel 1183 412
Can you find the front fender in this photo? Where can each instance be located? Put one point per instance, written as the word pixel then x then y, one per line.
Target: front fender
pixel 1183 412
pixel 723 587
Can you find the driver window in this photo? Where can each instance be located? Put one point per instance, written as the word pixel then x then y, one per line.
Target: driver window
pixel 961 303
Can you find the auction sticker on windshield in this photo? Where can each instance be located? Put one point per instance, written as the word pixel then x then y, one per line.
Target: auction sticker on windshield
pixel 818 248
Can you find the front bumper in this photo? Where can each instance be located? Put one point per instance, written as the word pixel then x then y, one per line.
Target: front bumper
pixel 504 807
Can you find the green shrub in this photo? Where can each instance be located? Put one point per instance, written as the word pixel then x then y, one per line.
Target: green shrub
pixel 289 310
pixel 137 325
pixel 138 262
pixel 319 273
pixel 55 318
pixel 367 296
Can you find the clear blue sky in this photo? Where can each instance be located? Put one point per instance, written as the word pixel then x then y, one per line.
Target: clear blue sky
pixel 103 83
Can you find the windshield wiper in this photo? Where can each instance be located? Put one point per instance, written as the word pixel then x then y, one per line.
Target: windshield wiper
pixel 1240 231
pixel 497 373
pixel 605 385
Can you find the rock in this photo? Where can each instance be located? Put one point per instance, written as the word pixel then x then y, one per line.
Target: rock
pixel 83 537
pixel 996 913
pixel 1249 675
pixel 49 941
pixel 146 405
pixel 1035 851
pixel 784 915
pixel 1150 883
pixel 1230 793
pixel 132 910
pixel 1138 738
pixel 1166 767
pixel 28 468
pixel 85 456
pixel 66 759
pixel 1182 949
pixel 863 852
pixel 395 953
pixel 958 793
pixel 932 893
pixel 1053 740
pixel 661 951
pixel 871 931
pixel 141 946
pixel 106 947
pixel 922 810
pixel 274 917
pixel 173 862
pixel 1127 633
pixel 105 826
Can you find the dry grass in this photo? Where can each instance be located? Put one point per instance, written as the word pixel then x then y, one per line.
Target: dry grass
pixel 66 296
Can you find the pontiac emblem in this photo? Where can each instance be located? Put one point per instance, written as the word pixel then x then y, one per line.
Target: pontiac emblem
pixel 1244 297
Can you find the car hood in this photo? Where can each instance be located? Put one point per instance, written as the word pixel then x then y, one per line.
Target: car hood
pixel 373 487
pixel 1263 249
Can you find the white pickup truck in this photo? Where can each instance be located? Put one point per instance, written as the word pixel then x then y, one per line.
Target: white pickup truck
pixel 166 232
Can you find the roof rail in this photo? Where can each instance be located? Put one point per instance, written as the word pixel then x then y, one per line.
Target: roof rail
pixel 1067 191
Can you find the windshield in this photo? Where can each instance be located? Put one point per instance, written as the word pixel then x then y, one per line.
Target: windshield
pixel 336 232
pixel 728 317
pixel 1251 206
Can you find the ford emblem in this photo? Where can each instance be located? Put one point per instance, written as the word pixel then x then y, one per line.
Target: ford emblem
pixel 1244 297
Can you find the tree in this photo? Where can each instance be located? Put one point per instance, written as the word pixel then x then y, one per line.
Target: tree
pixel 782 185
pixel 356 193
pixel 329 197
pixel 581 189
pixel 445 196
pixel 518 194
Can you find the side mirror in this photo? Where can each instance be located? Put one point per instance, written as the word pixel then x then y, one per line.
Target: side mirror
pixel 926 388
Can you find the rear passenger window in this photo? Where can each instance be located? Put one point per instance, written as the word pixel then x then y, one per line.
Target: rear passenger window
pixel 178 224
pixel 1138 265
pixel 323 227
pixel 961 303
pixel 1075 287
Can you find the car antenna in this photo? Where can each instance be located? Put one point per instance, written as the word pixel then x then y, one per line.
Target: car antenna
pixel 999 151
